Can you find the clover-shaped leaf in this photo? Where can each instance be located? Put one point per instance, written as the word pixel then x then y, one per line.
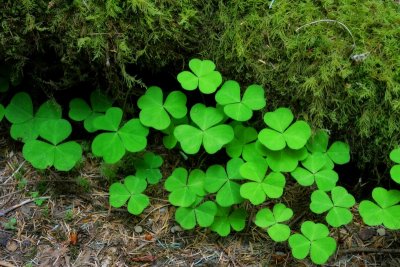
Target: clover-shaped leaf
pixel 285 160
pixel 184 188
pixel 203 214
pixel 337 207
pixel 203 76
pixel 385 211
pixel 316 171
pixel 281 133
pixel 243 136
pixel 315 241
pixel 130 191
pixel 237 108
pixel 261 185
pixel 395 170
pixel 79 109
pixel 148 167
pixel 227 219
pixel 112 145
pixel 208 133
pixel 223 182
pixel 25 125
pixel 272 221
pixel 63 156
pixel 337 153
pixel 156 113
pixel 169 140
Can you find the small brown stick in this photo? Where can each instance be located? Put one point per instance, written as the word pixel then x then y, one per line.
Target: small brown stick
pixel 369 250
pixel 4 212
pixel 6 264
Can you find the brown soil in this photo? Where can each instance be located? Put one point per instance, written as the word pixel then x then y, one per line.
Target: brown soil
pixel 76 227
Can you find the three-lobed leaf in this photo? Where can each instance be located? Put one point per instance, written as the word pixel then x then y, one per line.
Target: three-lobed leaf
pixel 337 205
pixel 148 167
pixel 130 192
pixel 202 214
pixel 227 219
pixel 156 113
pixel 315 241
pixel 203 76
pixel 385 211
pixel 272 221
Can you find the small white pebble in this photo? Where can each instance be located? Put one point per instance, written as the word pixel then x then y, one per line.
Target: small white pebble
pixel 381 231
pixel 138 229
pixel 175 229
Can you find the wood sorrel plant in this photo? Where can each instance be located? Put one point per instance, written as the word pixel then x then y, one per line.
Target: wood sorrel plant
pixel 259 162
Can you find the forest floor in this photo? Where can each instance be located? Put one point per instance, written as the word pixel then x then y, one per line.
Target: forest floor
pixel 75 226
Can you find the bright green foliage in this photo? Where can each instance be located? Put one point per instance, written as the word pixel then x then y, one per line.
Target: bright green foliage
pixel 79 110
pixel 148 167
pixel 315 241
pixel 337 207
pixel 223 182
pixel 185 189
pixel 208 132
pixel 395 170
pixel 63 156
pixel 113 144
pixel 156 113
pixel 261 185
pixel 243 136
pixel 169 140
pixel 130 191
pixel 337 153
pixel 204 76
pixel 203 214
pixel 316 169
pixel 227 219
pixel 281 133
pixel 2 110
pixel 285 160
pixel 272 221
pixel 237 108
pixel 385 211
pixel 25 125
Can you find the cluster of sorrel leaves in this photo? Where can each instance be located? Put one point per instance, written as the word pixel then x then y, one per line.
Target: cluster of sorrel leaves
pixel 259 161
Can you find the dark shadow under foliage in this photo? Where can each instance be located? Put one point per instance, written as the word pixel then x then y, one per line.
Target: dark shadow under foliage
pixel 347 82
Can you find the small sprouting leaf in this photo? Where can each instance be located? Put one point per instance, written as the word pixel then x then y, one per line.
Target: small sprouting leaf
pixel 184 188
pixel 318 142
pixel 131 190
pixel 385 211
pixel 211 135
pixel 204 76
pixel 203 214
pixel 280 134
pixel 156 113
pixel 243 136
pixel 222 182
pixel 315 241
pixel 338 207
pixel 226 219
pixel 272 221
pixel 148 167
pixel 237 108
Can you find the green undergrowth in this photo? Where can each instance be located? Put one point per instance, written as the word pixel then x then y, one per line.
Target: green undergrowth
pixel 254 162
pixel 336 63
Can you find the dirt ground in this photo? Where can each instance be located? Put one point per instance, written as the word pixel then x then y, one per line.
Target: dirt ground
pixel 74 226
